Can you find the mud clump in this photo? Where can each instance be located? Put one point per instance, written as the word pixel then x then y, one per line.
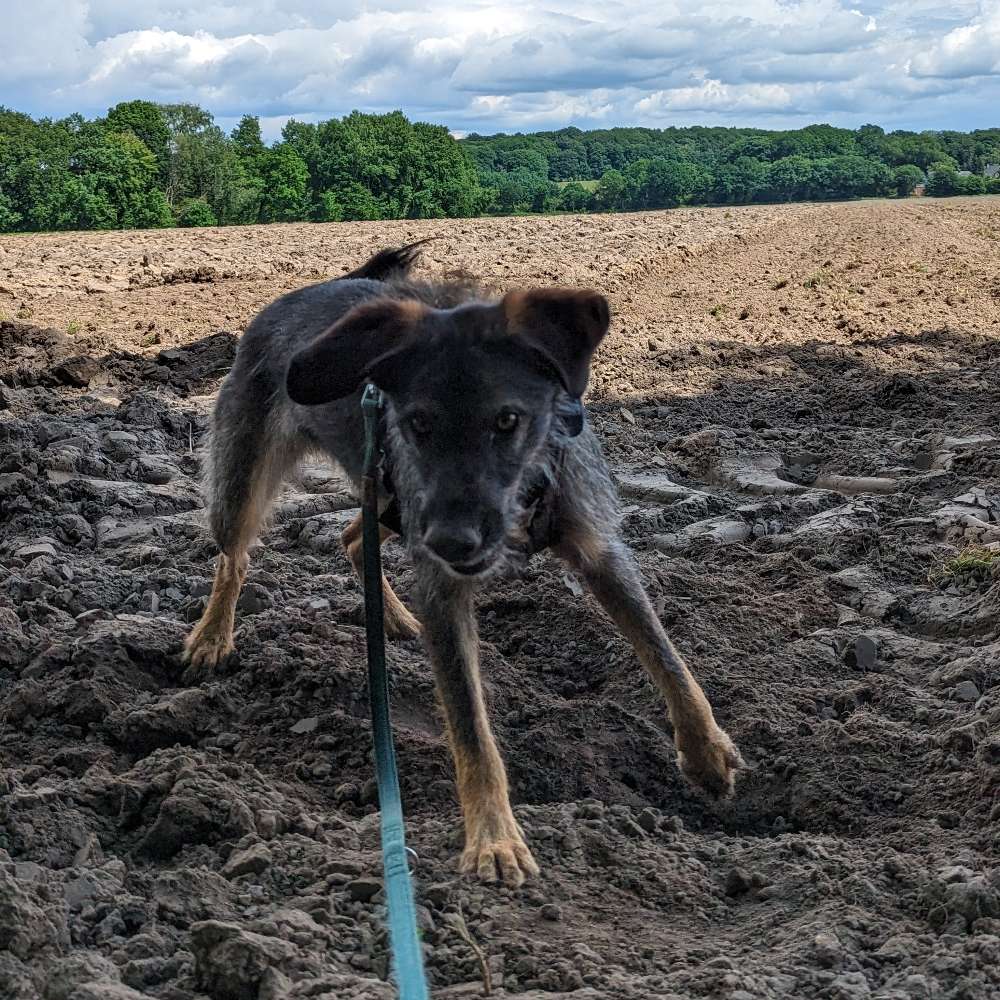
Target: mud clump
pixel 812 488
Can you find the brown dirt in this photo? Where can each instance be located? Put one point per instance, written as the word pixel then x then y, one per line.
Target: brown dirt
pixel 220 842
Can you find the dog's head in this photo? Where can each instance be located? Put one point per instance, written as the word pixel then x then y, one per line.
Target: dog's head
pixel 474 394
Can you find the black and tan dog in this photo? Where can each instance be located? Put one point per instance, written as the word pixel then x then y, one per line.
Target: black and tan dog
pixel 488 456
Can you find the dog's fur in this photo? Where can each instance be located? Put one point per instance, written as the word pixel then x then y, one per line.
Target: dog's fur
pixel 477 391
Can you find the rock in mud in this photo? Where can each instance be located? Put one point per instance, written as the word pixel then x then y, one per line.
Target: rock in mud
pixel 250 861
pixel 715 531
pixel 236 964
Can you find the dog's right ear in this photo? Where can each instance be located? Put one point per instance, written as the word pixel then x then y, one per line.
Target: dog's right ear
pixel 563 325
pixel 340 359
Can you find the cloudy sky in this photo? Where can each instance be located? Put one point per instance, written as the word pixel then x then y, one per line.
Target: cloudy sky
pixel 488 66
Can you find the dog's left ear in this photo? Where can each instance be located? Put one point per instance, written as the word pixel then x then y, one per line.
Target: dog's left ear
pixel 563 325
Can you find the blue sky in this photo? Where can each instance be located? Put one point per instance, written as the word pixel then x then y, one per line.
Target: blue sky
pixel 486 66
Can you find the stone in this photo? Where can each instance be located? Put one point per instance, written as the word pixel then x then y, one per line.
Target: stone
pixel 738 882
pixel 967 691
pixel 65 975
pixel 35 549
pixel 828 950
pixel 363 889
pixel 13 484
pixel 232 964
pixel 155 471
pixel 251 861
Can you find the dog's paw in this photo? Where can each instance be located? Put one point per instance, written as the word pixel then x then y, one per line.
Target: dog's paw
pixel 204 651
pixel 711 763
pixel 503 859
pixel 400 624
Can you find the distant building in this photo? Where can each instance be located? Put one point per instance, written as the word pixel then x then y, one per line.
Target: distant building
pixel 992 170
pixel 964 173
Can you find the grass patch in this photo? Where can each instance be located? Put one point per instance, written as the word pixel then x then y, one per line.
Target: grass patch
pixel 72 327
pixel 816 280
pixel 972 563
pixel 717 311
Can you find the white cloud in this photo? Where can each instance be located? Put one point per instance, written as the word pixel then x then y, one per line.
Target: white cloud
pixel 968 50
pixel 484 64
pixel 713 95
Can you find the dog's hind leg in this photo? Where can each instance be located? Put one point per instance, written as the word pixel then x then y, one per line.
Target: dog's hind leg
pixel 247 463
pixel 494 844
pixel 399 623
pixel 706 755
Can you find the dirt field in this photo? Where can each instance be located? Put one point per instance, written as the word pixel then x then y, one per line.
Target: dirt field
pixel 803 405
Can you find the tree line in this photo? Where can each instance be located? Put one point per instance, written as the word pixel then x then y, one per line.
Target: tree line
pixel 146 165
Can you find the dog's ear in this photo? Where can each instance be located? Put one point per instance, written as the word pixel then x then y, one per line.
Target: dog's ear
pixel 563 325
pixel 339 360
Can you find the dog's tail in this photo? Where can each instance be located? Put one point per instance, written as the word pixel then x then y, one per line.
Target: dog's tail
pixel 389 265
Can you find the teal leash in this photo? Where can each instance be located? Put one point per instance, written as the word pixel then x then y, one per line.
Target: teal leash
pixel 407 956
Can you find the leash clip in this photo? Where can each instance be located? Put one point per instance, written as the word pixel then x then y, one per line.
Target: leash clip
pixel 372 404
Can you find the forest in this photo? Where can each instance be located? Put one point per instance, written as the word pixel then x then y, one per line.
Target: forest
pixel 147 165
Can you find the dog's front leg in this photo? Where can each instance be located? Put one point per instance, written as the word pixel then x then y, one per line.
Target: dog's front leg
pixel 494 844
pixel 706 755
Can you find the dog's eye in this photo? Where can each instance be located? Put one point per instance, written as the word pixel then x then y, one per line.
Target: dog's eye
pixel 420 425
pixel 506 422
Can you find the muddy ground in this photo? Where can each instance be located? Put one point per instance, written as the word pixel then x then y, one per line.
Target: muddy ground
pixel 803 405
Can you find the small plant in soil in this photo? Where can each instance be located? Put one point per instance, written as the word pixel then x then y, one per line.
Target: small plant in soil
pixel 971 565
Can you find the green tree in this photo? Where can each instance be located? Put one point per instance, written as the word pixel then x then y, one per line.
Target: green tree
pixel 197 212
pixel 205 165
pixel 906 178
pixel 9 219
pixel 329 208
pixel 185 119
pixel 790 178
pixel 942 180
pixel 116 186
pixel 972 184
pixel 247 138
pixel 574 197
pixel 285 185
pixel 146 121
pixel 357 203
pixel 610 192
pixel 741 182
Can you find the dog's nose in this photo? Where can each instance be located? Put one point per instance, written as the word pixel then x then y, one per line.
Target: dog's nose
pixel 453 544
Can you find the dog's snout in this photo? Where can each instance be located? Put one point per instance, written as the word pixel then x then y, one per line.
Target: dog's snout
pixel 453 543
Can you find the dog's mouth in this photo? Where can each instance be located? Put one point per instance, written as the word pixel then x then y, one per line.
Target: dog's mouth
pixel 480 566
pixel 476 568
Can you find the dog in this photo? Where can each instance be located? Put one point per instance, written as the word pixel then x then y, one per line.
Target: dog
pixel 488 457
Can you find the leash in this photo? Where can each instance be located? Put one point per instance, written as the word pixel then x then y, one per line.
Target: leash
pixel 408 959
